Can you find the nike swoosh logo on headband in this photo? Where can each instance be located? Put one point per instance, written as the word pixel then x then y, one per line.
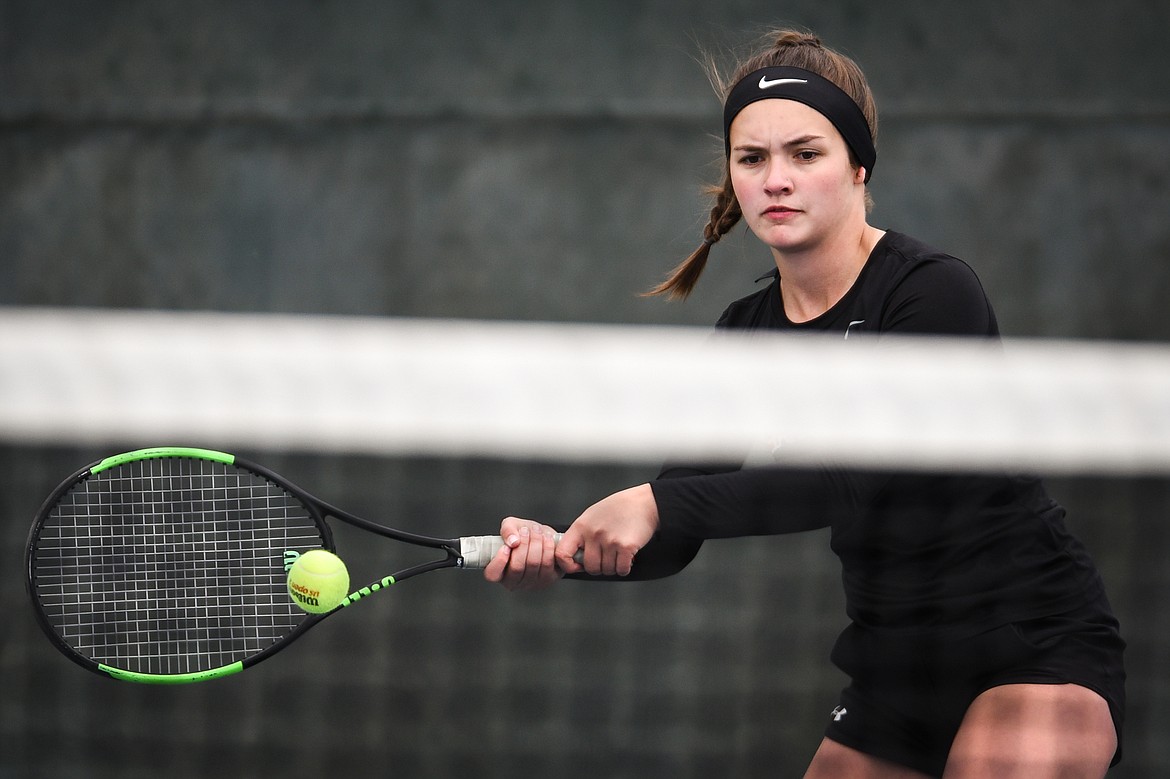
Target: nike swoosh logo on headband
pixel 765 83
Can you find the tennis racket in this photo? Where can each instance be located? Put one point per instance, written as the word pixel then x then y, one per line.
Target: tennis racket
pixel 169 565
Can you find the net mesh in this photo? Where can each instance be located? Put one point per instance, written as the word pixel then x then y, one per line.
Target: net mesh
pixel 443 428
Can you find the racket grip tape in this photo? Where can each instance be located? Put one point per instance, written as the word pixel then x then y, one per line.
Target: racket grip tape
pixel 478 551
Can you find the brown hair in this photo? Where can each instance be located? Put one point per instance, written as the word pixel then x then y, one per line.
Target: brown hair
pixel 792 48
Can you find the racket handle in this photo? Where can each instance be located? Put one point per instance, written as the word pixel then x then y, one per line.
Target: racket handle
pixel 478 551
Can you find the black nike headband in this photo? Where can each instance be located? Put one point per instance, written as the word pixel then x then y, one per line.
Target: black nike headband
pixel 803 86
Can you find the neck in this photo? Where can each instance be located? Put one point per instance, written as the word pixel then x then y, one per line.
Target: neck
pixel 811 282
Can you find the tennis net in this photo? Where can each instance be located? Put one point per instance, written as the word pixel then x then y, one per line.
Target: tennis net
pixel 578 392
pixel 445 427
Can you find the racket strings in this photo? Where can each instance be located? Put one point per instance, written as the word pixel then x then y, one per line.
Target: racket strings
pixel 171 565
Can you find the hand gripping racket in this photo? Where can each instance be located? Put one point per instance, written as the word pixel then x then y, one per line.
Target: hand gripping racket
pixel 169 565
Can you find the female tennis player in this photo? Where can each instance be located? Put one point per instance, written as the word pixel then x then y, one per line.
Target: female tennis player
pixel 980 641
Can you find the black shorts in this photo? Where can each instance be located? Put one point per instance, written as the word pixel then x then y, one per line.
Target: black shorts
pixel 908 695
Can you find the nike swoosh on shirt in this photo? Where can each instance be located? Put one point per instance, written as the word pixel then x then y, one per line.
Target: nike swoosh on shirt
pixel 765 83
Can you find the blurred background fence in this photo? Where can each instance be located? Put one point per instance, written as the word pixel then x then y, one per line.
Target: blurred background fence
pixel 543 162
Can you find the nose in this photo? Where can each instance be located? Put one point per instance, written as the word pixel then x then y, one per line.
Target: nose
pixel 778 181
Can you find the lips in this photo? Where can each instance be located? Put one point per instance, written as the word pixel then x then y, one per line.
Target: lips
pixel 779 212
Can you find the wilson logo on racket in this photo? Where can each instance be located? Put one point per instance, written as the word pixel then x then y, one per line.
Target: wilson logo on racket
pixel 290 557
pixel 364 591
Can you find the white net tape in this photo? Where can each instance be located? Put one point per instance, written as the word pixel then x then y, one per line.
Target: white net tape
pixel 578 392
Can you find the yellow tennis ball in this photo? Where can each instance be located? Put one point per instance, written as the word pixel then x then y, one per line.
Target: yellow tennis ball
pixel 318 581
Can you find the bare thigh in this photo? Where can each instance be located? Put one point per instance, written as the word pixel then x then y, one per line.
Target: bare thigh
pixel 837 761
pixel 1034 731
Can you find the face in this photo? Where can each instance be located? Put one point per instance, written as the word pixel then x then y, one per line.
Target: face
pixel 792 176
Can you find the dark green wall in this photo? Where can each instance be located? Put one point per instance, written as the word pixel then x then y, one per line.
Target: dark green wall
pixel 544 160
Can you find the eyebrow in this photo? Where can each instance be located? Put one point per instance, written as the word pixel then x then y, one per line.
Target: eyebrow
pixel 805 139
pixel 798 141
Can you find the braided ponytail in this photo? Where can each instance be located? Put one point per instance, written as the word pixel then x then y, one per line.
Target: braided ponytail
pixel 724 215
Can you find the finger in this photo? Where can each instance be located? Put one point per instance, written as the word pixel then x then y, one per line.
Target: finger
pixel 566 551
pixel 548 559
pixel 506 562
pixel 534 553
pixel 625 563
pixel 510 530
pixel 496 568
pixel 527 557
pixel 518 562
pixel 532 542
pixel 593 559
pixel 609 561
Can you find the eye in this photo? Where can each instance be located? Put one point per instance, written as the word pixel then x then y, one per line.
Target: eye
pixel 751 158
pixel 807 155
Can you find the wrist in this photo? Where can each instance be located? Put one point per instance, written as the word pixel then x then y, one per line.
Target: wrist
pixel 647 505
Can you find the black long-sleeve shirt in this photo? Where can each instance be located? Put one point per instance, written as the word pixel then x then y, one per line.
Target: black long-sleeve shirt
pixel 918 550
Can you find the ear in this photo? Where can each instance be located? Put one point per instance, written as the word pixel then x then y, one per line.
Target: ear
pixel 860 174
